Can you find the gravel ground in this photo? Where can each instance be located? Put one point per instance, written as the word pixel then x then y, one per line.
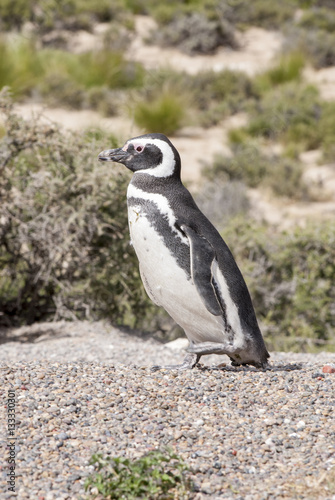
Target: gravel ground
pixel 246 434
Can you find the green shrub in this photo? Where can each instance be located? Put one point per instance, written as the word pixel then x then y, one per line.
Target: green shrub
pixel 329 4
pixel 232 89
pixel 157 474
pixel 289 68
pixel 291 277
pixel 284 177
pixel 269 15
pixel 318 18
pixel 119 35
pixel 105 101
pixel 20 66
pixel 326 126
pixel 240 13
pixel 165 13
pixel 64 243
pixel 249 165
pixel 318 45
pixel 165 114
pixel 62 77
pixel 106 68
pixel 58 89
pixel 209 96
pixel 295 115
pixel 13 13
pixel 289 113
pixel 92 69
pixel 60 14
pixel 53 14
pixel 194 33
pixel 246 164
pixel 102 11
pixel 322 3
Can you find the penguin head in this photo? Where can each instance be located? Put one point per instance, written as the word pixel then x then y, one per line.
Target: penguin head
pixel 151 154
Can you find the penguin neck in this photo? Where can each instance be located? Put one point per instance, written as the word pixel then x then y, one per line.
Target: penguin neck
pixel 149 183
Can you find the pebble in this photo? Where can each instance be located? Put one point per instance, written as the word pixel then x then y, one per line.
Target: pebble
pixel 241 432
pixel 328 369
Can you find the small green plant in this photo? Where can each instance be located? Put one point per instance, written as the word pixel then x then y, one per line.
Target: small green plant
pixel 165 12
pixel 217 94
pixel 288 113
pixel 65 14
pixel 284 177
pixel 106 68
pixel 327 127
pixel 194 33
pixel 209 95
pixel 246 164
pixel 318 45
pixel 236 13
pixel 21 67
pixel 269 15
pixel 318 18
pixel 294 115
pixel 288 68
pixel 13 13
pixel 164 113
pixel 61 77
pixel 92 69
pixel 155 475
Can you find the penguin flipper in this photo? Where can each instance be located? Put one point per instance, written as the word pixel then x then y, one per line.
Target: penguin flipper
pixel 202 257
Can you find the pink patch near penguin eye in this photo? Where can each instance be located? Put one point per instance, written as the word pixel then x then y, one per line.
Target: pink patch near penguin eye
pixel 137 146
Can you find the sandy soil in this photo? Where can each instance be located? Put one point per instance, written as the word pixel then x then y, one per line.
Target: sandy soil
pixel 324 79
pixel 121 126
pixel 285 214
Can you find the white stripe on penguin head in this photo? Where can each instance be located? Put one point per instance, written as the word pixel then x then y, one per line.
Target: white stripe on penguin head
pixel 167 166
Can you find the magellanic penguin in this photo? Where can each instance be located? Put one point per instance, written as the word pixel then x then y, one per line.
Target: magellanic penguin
pixel 185 265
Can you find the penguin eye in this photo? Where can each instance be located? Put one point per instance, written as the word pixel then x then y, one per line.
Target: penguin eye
pixel 139 149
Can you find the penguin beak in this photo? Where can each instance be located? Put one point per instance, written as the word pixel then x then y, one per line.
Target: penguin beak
pixel 119 155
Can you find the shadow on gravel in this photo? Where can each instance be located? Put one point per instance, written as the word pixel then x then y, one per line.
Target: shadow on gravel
pixel 32 334
pixel 272 368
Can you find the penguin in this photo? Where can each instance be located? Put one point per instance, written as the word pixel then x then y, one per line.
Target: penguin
pixel 185 265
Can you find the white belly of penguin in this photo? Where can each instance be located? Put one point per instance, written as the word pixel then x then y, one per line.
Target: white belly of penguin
pixel 168 285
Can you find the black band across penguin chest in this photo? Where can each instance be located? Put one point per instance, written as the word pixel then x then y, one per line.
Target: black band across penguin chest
pixel 153 228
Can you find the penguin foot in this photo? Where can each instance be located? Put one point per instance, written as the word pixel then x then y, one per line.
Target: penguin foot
pixel 211 348
pixel 190 361
pixel 264 365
